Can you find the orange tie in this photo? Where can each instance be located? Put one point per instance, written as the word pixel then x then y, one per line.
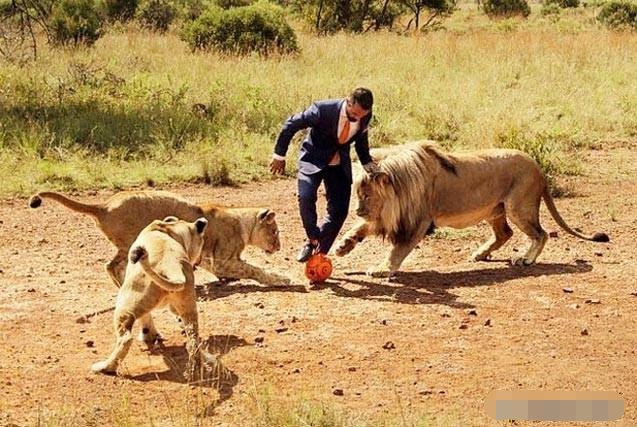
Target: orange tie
pixel 342 139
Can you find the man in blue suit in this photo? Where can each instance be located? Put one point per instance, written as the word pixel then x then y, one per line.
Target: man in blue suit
pixel 324 157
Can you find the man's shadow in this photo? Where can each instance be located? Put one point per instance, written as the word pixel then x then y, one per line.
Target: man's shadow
pixel 432 287
pixel 220 377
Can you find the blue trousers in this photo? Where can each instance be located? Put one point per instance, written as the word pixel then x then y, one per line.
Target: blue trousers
pixel 337 192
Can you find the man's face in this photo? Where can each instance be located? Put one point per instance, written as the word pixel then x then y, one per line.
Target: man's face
pixel 355 112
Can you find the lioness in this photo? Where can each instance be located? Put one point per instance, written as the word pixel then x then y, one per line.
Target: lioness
pixel 160 272
pixel 126 213
pixel 420 187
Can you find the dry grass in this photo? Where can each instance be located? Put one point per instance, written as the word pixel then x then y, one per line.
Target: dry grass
pixel 121 113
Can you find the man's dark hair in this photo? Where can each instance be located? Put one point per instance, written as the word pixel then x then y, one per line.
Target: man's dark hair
pixel 363 97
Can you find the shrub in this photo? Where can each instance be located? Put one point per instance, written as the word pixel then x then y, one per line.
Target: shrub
pixel 619 14
pixel 260 27
pixel 227 4
pixel 506 7
pixel 156 15
pixel 189 10
pixel 550 9
pixel 568 3
pixel 121 10
pixel 562 3
pixel 76 21
pixel 6 8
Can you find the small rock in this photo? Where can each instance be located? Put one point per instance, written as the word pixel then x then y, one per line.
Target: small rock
pixel 632 293
pixel 463 326
pixel 262 331
pixel 62 282
pixel 488 322
pixel 90 344
pixel 593 301
pixel 389 345
pixel 445 315
pixel 259 340
pixel 338 392
pixel 294 319
pixel 599 254
pixel 553 234
pixel 584 332
pixel 567 290
pixel 296 371
pixel 574 306
pixel 259 305
pixel 351 369
pixel 472 312
pixel 280 330
pixel 384 322
pixel 425 392
pixel 31 290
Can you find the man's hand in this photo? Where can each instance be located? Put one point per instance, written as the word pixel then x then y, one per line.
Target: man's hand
pixel 371 167
pixel 277 166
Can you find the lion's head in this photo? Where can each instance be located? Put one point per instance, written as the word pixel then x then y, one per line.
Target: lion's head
pixel 265 234
pixel 395 200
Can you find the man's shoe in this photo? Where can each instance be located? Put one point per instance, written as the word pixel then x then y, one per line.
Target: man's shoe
pixel 306 252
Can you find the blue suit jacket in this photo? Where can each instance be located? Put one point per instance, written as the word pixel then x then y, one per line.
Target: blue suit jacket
pixel 321 142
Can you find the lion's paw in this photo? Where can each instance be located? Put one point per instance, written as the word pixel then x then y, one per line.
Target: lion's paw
pixel 522 261
pixel 103 367
pixel 345 247
pixel 150 338
pixel 480 256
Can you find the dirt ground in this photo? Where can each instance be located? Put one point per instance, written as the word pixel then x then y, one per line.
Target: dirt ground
pixel 435 341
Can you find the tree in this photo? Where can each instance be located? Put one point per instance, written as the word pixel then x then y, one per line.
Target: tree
pixel 20 21
pixel 435 8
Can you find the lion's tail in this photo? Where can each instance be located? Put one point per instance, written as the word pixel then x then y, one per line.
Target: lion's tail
pixel 550 204
pixel 92 210
pixel 139 254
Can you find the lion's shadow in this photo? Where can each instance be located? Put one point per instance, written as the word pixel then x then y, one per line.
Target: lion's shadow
pixel 220 378
pixel 223 288
pixel 432 287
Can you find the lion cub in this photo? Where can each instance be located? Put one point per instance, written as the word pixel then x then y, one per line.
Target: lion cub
pixel 159 272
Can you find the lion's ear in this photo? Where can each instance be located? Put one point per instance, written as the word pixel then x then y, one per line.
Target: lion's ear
pixel 170 219
pixel 266 215
pixel 381 178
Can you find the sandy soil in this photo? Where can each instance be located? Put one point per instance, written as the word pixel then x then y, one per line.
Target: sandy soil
pixel 435 341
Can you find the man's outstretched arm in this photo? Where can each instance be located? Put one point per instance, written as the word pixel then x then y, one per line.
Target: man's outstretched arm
pixel 292 125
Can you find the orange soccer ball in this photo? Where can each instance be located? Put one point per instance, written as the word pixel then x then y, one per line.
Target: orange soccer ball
pixel 318 268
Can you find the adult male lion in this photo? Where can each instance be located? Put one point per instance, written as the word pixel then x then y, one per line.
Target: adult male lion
pixel 230 230
pixel 420 187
